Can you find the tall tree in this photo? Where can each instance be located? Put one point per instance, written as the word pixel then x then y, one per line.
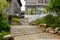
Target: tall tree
pixel 54 5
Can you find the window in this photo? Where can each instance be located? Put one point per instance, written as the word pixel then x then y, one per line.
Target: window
pixel 40 10
pixel 46 1
pixel 40 1
pixel 31 11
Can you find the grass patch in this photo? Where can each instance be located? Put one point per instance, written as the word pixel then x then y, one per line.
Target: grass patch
pixel 3 34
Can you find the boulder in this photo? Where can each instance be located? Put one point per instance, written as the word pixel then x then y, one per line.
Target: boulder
pixel 8 37
pixel 42 26
pixel 56 29
pixel 58 32
pixel 52 31
pixel 48 29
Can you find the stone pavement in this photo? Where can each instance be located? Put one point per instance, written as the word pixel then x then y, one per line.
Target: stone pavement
pixel 38 36
pixel 31 33
pixel 24 30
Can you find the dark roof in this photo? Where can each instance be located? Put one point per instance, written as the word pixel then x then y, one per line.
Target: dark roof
pixel 18 2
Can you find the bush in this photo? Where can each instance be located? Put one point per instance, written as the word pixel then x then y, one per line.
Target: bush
pixel 38 21
pixel 15 20
pixel 15 16
pixel 50 20
pixel 5 33
pixel 1 37
pixel 57 22
pixel 4 26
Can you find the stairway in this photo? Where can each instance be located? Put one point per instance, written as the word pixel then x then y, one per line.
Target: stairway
pixel 24 30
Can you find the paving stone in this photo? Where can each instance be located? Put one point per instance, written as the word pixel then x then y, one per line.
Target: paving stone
pixel 31 33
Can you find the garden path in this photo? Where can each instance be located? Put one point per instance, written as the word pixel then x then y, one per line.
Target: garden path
pixel 31 33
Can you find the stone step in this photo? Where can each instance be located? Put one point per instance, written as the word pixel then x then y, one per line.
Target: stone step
pixel 24 22
pixel 23 31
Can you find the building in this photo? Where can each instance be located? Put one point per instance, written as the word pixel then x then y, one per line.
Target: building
pixel 14 7
pixel 35 6
pixel 35 9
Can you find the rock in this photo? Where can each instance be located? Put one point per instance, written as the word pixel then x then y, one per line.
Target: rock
pixel 56 29
pixel 58 32
pixel 52 31
pixel 48 29
pixel 8 37
pixel 43 27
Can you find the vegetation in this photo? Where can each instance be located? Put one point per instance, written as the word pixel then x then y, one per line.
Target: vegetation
pixel 38 21
pixel 49 20
pixel 3 34
pixel 54 6
pixel 16 16
pixel 16 20
pixel 4 26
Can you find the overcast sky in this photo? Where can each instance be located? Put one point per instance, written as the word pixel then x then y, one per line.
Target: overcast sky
pixel 23 5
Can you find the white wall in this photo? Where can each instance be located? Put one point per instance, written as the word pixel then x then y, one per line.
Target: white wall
pixel 34 17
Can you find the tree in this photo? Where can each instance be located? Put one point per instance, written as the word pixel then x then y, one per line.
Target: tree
pixel 54 6
pixel 4 26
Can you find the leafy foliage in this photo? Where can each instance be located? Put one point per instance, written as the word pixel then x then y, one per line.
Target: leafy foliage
pixel 52 21
pixel 4 26
pixel 49 20
pixel 38 21
pixel 54 5
pixel 3 4
pixel 57 22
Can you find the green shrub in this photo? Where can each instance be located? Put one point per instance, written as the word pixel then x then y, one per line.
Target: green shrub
pixel 49 19
pixel 4 26
pixel 5 33
pixel 57 22
pixel 52 21
pixel 38 21
pixel 1 37
pixel 15 16
pixel 15 20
